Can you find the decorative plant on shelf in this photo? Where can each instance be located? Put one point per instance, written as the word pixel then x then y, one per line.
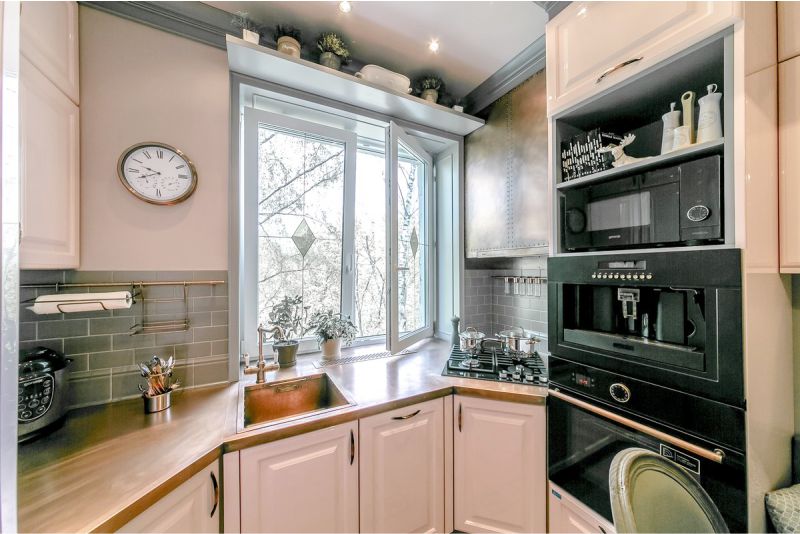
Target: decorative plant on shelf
pixel 288 39
pixel 428 87
pixel 288 318
pixel 250 30
pixel 331 328
pixel 333 51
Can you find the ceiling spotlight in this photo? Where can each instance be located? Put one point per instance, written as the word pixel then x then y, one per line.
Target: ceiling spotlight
pixel 344 6
pixel 433 46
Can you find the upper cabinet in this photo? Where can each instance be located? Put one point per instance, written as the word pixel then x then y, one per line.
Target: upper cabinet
pixel 789 163
pixel 592 46
pixel 49 40
pixel 788 36
pixel 49 137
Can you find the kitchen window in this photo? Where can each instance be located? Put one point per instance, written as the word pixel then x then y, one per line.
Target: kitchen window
pixel 318 215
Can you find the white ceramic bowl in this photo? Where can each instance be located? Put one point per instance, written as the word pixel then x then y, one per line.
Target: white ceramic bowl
pixel 378 75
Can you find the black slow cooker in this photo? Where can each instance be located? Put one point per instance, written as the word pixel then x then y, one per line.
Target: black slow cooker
pixel 43 394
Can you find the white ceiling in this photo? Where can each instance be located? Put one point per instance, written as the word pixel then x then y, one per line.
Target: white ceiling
pixel 476 38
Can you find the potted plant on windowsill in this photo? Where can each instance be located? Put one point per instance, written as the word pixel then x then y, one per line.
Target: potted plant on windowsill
pixel 333 51
pixel 288 40
pixel 241 20
pixel 331 329
pixel 287 318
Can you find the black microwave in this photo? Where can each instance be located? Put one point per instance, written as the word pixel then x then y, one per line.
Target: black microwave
pixel 672 206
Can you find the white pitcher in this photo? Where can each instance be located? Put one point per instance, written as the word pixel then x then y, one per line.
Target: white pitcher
pixel 709 123
pixel 672 119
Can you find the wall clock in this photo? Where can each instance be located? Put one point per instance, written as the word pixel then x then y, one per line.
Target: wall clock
pixel 157 173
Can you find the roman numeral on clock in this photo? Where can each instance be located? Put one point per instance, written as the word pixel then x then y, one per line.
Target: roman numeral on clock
pixel 160 153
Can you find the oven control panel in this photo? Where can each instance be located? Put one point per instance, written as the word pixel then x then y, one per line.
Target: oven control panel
pixel 622 276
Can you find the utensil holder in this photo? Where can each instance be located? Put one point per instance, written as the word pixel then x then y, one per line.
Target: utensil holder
pixel 159 403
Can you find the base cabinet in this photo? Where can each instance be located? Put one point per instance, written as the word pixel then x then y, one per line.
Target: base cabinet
pixel 568 514
pixel 306 483
pixel 193 506
pixel 500 467
pixel 402 469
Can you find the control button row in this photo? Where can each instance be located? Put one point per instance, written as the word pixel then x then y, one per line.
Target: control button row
pixel 623 276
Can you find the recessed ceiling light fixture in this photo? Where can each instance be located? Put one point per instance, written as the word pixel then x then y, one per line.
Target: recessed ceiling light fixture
pixel 344 6
pixel 433 45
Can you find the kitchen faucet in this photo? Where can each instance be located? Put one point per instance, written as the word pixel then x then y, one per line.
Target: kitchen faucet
pixel 262 366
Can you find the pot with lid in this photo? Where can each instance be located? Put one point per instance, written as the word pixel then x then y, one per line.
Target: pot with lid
pixel 470 340
pixel 43 392
pixel 517 340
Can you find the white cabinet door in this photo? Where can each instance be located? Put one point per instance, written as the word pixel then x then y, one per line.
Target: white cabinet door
pixel 588 39
pixel 306 483
pixel 568 515
pixel 789 163
pixel 50 180
pixel 49 40
pixel 191 507
pixel 788 36
pixel 500 468
pixel 402 469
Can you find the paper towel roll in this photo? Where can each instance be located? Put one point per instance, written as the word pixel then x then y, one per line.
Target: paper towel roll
pixel 81 302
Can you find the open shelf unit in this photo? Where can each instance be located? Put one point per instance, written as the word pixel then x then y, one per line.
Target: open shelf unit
pixel 267 64
pixel 636 106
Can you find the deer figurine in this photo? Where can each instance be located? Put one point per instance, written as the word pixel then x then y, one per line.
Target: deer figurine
pixel 618 151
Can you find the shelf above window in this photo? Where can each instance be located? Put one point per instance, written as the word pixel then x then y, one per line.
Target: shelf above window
pixel 671 158
pixel 272 66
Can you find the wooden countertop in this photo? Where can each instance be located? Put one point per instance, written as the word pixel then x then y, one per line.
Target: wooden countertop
pixel 111 462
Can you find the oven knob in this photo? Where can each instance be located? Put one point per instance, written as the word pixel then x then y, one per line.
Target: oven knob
pixel 594 275
pixel 649 276
pixel 616 275
pixel 628 276
pixel 620 392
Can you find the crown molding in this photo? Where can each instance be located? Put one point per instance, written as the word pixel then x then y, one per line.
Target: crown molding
pixel 520 68
pixel 552 8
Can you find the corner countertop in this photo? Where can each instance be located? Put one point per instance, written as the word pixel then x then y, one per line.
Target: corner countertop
pixel 111 462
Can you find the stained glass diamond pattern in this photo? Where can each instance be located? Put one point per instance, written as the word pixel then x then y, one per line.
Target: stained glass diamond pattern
pixel 414 242
pixel 303 237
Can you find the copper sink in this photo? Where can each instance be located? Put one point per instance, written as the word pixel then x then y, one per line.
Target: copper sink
pixel 285 400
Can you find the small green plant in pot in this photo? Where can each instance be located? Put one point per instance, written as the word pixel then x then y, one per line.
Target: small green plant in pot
pixel 287 319
pixel 428 87
pixel 288 40
pixel 250 30
pixel 333 51
pixel 331 328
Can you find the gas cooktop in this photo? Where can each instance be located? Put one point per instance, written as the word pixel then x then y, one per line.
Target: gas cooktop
pixel 494 364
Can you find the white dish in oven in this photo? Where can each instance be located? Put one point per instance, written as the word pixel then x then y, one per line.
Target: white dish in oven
pixel 378 75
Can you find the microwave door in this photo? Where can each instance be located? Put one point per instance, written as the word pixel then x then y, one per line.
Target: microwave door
pixel 617 221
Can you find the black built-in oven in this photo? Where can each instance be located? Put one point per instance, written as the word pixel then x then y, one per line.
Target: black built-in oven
pixel 672 319
pixel 594 414
pixel 672 206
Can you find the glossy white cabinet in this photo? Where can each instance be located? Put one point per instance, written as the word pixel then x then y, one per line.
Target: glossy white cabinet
pixel 789 163
pixel 49 174
pixel 592 46
pixel 49 136
pixel 402 469
pixel 191 507
pixel 49 40
pixel 500 472
pixel 568 515
pixel 306 483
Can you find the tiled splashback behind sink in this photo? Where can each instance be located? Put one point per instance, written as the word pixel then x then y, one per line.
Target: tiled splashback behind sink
pixel 490 308
pixel 102 348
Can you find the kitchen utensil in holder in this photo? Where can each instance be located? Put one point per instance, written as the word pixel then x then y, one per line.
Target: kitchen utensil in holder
pixel 161 327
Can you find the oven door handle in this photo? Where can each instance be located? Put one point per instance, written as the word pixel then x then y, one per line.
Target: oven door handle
pixel 717 455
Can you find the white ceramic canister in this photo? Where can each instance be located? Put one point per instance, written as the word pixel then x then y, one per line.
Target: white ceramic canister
pixel 682 137
pixel 709 123
pixel 672 119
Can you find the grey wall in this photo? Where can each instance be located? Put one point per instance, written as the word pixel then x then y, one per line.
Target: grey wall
pixel 490 309
pixel 104 353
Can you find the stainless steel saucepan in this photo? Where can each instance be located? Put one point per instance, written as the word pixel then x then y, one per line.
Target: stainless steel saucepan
pixel 470 340
pixel 518 340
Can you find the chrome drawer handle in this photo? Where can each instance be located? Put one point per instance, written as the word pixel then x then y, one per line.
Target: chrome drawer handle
pixel 617 67
pixel 404 417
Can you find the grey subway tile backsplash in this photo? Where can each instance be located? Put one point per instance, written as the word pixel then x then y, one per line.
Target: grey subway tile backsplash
pixel 491 307
pixel 103 351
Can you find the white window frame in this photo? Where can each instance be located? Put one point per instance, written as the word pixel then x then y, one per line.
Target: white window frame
pixel 253 118
pixel 394 341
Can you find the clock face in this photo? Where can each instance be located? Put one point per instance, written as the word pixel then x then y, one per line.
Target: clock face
pixel 157 173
